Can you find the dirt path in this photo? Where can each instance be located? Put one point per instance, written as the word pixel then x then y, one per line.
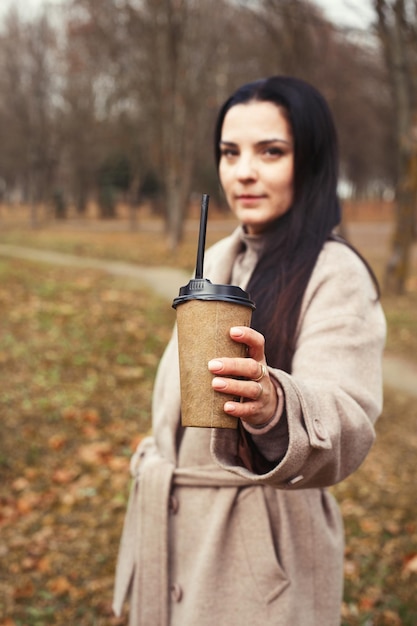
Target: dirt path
pixel 165 281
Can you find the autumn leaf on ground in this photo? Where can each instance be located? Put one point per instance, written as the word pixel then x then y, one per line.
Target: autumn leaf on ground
pixel 60 585
pixel 410 565
pixel 95 453
pixel 26 591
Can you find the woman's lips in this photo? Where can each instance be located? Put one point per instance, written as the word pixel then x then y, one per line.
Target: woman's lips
pixel 249 199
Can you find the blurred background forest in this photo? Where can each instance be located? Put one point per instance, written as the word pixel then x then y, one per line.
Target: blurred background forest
pixel 113 101
pixel 106 116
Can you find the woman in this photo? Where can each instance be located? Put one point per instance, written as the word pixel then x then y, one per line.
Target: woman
pixel 235 527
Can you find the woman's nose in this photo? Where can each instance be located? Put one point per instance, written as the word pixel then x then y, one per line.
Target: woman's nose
pixel 245 168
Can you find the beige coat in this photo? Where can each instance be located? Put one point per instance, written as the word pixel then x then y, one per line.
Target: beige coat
pixel 207 542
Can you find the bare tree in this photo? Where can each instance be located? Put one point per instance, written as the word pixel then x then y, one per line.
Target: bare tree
pixel 132 96
pixel 27 113
pixel 296 39
pixel 176 87
pixel 78 115
pixel 397 28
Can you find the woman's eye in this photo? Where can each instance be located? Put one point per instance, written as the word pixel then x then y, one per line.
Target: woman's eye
pixel 228 153
pixel 274 152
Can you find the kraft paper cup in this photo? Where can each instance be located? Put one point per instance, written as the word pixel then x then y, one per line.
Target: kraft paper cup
pixel 204 334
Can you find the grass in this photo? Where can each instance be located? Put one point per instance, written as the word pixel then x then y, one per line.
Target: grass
pixel 379 509
pixel 113 240
pixel 401 314
pixel 78 353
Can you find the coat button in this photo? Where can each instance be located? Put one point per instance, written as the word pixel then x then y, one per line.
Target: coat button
pixel 320 429
pixel 176 592
pixel 173 505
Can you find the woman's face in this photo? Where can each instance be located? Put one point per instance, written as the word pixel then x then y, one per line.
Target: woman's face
pixel 257 163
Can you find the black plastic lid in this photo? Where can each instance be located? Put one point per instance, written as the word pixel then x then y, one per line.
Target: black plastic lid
pixel 203 289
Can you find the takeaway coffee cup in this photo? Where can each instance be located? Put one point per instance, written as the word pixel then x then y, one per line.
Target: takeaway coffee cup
pixel 205 314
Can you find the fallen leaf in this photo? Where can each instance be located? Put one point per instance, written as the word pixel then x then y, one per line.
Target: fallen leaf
pixel 57 441
pixel 71 413
pixel 391 618
pixel 25 591
pixel 64 476
pixel 370 598
pixel 90 431
pixel 119 464
pixel 369 525
pixel 392 527
pixel 129 373
pixel 31 473
pixel 27 503
pixel 410 566
pixel 366 604
pixel 60 585
pixel 20 484
pixel 351 569
pixel 44 565
pixel 91 416
pixel 28 563
pixel 94 453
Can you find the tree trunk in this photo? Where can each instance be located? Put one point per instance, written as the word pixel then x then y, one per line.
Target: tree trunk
pixel 398 267
pixel 177 196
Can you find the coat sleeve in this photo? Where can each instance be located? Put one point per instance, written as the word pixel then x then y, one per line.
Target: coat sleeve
pixel 334 393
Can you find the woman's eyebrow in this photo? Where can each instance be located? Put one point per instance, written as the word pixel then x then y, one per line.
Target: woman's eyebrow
pixel 263 142
pixel 274 140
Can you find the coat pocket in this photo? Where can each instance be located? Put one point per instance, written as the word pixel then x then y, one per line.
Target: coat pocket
pixel 267 573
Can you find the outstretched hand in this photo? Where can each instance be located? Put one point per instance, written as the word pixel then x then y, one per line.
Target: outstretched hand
pixel 247 378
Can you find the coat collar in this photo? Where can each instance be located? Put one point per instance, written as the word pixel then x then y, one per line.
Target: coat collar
pixel 221 257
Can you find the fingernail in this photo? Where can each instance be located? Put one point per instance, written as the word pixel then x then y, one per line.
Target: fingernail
pixel 236 331
pixel 215 365
pixel 218 383
pixel 229 407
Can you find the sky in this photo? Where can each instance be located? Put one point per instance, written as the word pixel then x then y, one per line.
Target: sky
pixel 349 13
pixel 30 5
pixel 26 7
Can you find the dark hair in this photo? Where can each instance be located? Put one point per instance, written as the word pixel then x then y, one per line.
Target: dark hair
pixel 280 278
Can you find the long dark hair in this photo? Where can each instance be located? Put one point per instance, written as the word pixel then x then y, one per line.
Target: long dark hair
pixel 280 278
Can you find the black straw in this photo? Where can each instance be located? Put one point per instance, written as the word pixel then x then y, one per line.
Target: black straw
pixel 202 236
